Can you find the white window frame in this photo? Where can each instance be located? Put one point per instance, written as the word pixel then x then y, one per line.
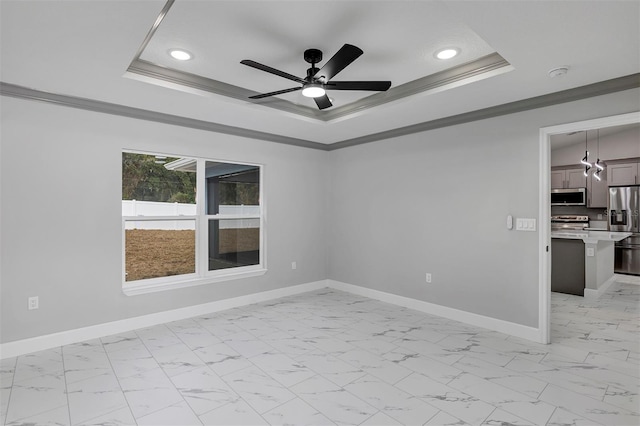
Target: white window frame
pixel 202 275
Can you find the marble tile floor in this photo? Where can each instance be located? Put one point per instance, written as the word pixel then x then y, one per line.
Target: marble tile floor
pixel 328 357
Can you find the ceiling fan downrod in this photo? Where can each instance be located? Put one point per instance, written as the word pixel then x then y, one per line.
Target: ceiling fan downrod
pixel 312 56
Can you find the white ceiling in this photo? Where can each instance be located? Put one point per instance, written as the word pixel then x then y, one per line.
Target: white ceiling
pixel 83 49
pixel 574 138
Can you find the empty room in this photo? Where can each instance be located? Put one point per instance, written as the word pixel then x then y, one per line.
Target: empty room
pixel 347 212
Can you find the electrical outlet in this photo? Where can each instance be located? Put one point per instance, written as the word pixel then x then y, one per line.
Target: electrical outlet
pixel 34 303
pixel 428 277
pixel 294 265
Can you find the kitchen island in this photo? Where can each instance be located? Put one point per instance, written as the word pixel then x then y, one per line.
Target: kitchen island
pixel 582 261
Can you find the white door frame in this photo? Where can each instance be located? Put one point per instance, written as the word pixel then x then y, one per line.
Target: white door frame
pixel 544 302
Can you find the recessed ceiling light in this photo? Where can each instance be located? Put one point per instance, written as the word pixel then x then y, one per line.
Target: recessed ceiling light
pixel 179 54
pixel 447 53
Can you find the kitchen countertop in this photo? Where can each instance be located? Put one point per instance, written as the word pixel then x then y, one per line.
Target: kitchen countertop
pixel 591 236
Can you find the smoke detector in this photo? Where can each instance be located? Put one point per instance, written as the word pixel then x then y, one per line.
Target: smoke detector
pixel 558 72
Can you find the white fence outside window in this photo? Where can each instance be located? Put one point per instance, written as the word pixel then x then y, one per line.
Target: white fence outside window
pixel 153 208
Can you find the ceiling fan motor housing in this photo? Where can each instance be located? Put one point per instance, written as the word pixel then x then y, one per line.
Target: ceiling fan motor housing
pixel 313 56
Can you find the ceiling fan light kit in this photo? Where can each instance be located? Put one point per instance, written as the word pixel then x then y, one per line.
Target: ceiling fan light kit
pixel 313 90
pixel 317 81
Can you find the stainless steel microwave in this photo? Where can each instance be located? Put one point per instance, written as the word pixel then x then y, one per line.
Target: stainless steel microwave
pixel 569 197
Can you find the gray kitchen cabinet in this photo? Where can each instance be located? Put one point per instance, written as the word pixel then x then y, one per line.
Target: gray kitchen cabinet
pixel 576 178
pixel 568 178
pixel 623 174
pixel 598 190
pixel 568 270
pixel 557 179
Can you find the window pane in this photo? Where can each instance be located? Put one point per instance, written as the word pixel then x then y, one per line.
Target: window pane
pixel 155 185
pixel 233 243
pixel 159 248
pixel 230 186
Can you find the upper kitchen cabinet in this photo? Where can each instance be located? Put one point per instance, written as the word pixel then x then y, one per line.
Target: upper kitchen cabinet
pixel 557 179
pixel 598 191
pixel 568 178
pixel 623 173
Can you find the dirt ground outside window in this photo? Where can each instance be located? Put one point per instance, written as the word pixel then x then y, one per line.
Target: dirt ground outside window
pixel 153 253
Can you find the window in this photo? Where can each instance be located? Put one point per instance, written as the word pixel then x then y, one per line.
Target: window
pixel 189 221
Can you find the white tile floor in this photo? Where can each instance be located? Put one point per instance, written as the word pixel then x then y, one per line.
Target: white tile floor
pixel 329 357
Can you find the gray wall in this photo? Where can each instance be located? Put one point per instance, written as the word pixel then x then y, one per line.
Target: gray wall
pixel 71 256
pixel 437 202
pixel 378 215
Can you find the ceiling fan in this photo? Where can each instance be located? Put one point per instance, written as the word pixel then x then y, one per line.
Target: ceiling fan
pixel 317 81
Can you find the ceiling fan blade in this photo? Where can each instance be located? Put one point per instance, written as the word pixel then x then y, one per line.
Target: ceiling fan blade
pixel 323 102
pixel 378 86
pixel 271 70
pixel 279 92
pixel 347 54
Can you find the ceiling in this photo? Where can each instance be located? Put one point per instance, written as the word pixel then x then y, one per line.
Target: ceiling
pixel 116 52
pixel 573 138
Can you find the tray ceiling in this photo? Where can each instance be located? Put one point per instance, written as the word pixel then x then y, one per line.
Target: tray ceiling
pixel 221 34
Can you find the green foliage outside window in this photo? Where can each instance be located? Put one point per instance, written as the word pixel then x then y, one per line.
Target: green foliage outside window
pixel 145 179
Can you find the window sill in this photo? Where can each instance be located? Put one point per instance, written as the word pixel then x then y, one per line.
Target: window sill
pixel 135 289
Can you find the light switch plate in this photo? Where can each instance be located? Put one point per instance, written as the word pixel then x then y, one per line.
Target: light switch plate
pixel 525 224
pixel 590 252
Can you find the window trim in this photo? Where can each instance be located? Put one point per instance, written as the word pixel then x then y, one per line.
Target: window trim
pixel 153 285
pixel 202 275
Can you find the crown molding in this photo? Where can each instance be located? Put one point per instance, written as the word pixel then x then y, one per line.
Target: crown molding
pixel 21 92
pixel 596 89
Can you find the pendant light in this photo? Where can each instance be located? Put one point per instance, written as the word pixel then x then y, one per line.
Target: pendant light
pixel 599 167
pixel 585 159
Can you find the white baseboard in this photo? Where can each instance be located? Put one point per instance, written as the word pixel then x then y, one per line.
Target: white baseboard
pixel 518 330
pixel 19 347
pixel 594 294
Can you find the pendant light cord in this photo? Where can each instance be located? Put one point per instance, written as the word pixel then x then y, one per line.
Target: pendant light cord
pixel 585 160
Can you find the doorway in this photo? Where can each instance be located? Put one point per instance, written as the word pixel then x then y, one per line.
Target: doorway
pixel 544 302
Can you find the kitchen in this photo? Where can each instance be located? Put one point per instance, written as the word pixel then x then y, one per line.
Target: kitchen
pixel 595 203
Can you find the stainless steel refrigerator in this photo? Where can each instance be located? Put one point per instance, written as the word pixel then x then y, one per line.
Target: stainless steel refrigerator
pixel 624 216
